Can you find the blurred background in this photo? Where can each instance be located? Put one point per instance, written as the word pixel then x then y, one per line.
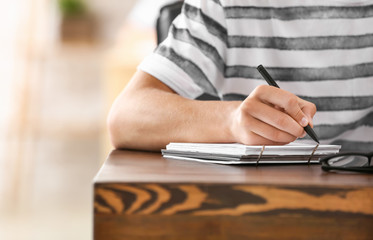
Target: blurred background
pixel 62 63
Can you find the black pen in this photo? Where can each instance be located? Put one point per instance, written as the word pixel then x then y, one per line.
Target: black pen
pixel 272 82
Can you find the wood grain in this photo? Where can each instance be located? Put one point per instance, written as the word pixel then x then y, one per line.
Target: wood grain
pixel 212 200
pixel 153 198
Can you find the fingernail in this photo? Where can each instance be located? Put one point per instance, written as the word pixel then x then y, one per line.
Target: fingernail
pixel 304 122
pixel 304 134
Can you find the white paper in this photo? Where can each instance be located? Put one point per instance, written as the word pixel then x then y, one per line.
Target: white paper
pixel 235 153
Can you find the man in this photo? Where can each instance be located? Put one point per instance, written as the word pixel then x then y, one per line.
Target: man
pixel 319 51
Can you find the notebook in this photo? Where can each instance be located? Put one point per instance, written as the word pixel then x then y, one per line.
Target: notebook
pixel 235 153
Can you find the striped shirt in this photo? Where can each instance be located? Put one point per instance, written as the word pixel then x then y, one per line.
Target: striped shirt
pixel 320 50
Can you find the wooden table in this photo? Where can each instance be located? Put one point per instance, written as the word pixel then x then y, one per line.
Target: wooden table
pixel 140 195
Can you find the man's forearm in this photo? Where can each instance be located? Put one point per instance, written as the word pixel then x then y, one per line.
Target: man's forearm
pixel 150 118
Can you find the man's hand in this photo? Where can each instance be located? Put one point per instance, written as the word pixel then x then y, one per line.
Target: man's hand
pixel 271 116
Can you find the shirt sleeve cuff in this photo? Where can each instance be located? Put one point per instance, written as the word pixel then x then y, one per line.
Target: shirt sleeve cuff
pixel 171 75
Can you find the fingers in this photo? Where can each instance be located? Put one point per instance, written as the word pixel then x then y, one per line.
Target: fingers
pixel 273 123
pixel 270 132
pixel 295 107
pixel 309 109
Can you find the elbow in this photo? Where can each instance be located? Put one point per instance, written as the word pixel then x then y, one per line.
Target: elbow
pixel 113 126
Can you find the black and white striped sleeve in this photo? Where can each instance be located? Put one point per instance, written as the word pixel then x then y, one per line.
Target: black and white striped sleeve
pixel 192 59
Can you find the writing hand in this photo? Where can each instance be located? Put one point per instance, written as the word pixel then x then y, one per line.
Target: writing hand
pixel 271 116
